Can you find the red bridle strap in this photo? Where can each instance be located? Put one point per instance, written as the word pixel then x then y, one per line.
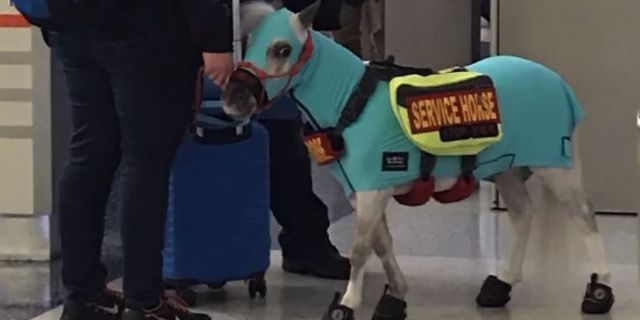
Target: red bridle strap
pixel 303 58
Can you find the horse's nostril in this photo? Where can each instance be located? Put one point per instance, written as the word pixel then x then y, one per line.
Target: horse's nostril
pixel 239 103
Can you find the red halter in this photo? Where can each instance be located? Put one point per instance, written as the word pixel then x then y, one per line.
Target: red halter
pixel 253 77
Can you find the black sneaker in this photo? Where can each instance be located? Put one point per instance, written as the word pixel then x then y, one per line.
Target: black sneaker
pixel 327 264
pixel 166 310
pixel 109 305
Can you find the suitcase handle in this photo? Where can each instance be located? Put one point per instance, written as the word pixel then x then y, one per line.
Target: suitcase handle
pixel 199 94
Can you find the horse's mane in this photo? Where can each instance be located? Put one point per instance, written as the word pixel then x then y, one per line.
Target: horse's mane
pixel 252 13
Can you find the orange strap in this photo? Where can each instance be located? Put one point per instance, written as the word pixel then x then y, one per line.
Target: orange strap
pixel 13 20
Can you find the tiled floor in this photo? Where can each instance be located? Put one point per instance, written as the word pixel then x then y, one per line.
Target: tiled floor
pixel 441 288
pixel 446 252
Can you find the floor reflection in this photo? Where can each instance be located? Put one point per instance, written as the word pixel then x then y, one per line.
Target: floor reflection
pixel 440 249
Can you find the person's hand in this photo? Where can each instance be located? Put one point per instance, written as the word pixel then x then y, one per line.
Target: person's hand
pixel 218 67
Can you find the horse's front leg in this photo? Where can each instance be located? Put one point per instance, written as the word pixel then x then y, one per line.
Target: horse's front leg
pixel 496 290
pixel 392 305
pixel 370 207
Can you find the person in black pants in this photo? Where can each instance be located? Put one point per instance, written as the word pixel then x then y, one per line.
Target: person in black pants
pixel 306 247
pixel 131 76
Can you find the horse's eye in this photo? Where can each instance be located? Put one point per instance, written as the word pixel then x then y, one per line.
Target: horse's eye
pixel 284 51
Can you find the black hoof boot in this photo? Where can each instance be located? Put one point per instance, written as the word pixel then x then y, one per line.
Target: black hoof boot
pixel 337 311
pixel 599 297
pixel 390 308
pixel 495 293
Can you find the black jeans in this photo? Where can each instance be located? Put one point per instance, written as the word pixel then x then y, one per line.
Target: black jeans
pixel 131 99
pixel 302 215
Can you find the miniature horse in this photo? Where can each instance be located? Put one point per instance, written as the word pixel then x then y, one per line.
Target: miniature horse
pixel 539 114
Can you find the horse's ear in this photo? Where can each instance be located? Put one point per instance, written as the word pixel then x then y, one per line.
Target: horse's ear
pixel 308 15
pixel 252 13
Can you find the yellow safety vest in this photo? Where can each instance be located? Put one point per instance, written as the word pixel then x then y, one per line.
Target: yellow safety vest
pixel 452 113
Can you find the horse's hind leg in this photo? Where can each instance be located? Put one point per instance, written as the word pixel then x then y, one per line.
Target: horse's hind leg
pixel 370 207
pixel 392 305
pixel 496 291
pixel 566 186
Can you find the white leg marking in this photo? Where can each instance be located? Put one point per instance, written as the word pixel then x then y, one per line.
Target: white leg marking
pixel 370 207
pixel 513 190
pixel 566 185
pixel 383 247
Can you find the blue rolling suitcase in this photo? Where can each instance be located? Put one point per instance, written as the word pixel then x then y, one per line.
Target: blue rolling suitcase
pixel 217 227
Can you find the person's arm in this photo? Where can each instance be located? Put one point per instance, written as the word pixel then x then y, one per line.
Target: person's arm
pixel 210 24
pixel 328 18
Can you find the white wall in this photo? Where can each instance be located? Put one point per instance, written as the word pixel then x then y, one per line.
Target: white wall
pixel 594 45
pixel 25 141
pixel 433 33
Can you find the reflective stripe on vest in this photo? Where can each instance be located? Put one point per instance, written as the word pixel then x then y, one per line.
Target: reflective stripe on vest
pixel 447 114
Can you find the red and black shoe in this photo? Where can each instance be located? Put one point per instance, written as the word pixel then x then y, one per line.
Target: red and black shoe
pixel 166 310
pixel 108 305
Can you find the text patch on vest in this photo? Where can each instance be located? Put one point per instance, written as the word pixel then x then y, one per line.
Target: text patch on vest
pixel 457 115
pixel 320 148
pixel 448 114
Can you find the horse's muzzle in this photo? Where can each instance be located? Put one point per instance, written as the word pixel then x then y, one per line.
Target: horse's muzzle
pixel 238 102
pixel 250 84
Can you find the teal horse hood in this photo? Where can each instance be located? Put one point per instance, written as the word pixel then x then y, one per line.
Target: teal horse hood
pixel 275 28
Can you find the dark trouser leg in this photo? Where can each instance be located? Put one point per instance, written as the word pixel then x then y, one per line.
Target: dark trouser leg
pixel 349 35
pixel 93 158
pixel 154 81
pixel 486 9
pixel 302 215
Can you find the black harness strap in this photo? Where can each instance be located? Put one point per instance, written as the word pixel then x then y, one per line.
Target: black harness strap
pixel 468 165
pixel 427 164
pixel 355 106
pixel 375 72
pixel 358 99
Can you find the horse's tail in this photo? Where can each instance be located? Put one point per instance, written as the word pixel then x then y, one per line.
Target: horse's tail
pixel 578 114
pixel 557 247
pixel 577 174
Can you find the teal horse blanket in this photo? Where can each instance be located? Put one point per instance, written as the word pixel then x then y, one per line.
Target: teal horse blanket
pixel 539 114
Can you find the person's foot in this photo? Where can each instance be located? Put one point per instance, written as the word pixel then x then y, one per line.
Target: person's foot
pixel 327 263
pixel 109 305
pixel 166 310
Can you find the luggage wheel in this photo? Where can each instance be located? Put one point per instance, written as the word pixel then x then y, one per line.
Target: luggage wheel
pixel 257 285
